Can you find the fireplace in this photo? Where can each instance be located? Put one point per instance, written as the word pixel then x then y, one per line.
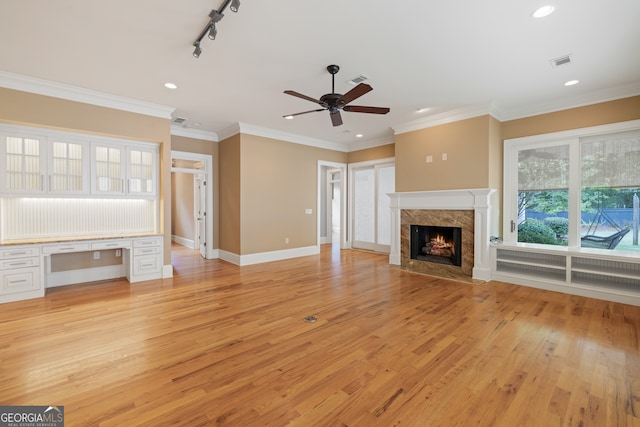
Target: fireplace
pixel 469 210
pixel 442 245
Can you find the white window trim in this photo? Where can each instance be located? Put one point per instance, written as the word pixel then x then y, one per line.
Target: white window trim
pixel 571 138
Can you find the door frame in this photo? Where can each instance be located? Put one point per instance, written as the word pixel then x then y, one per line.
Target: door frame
pixel 323 168
pixel 207 160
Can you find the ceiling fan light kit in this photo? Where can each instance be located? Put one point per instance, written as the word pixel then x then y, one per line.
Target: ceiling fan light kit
pixel 334 102
pixel 210 29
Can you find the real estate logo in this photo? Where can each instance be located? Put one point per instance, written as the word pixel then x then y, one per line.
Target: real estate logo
pixel 31 416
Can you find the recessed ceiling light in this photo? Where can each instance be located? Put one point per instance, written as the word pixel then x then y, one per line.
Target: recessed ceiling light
pixel 359 135
pixel 170 85
pixel 422 110
pixel 288 117
pixel 543 11
pixel 197 124
pixel 572 82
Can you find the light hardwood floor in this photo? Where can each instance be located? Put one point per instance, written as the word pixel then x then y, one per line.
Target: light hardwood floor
pixel 223 345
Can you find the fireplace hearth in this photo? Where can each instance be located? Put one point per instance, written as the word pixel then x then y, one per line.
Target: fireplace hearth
pixel 442 245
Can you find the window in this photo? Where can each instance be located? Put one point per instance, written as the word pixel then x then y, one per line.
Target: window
pixel 575 189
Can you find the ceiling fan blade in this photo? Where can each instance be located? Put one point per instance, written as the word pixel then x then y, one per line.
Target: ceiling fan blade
pixel 354 93
pixel 363 109
pixel 299 95
pixel 336 118
pixel 304 112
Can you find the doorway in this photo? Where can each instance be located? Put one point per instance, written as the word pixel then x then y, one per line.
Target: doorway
pixel 332 204
pixel 192 211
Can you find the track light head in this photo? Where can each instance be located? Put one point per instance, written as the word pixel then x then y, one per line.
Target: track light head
pixel 215 16
pixel 235 4
pixel 213 32
pixel 197 51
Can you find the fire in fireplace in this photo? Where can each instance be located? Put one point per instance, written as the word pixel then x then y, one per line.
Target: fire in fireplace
pixel 442 245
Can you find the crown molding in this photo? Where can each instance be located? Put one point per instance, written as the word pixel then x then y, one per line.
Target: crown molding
pixel 363 145
pixel 565 103
pixel 194 133
pixel 87 96
pixel 248 129
pixel 450 116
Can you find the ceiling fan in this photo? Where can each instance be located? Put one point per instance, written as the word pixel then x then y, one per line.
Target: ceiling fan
pixel 334 102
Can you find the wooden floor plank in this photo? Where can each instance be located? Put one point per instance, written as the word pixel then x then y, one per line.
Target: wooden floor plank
pixel 219 344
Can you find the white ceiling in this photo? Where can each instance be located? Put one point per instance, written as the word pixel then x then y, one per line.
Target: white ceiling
pixel 453 57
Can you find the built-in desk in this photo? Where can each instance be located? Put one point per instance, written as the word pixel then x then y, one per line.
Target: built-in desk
pixel 26 267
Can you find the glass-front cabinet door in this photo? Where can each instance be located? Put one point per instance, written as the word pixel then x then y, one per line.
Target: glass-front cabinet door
pixel 108 174
pixel 22 165
pixel 141 176
pixel 68 164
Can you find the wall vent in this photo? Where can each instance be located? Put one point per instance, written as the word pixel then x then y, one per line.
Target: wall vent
pixel 562 60
pixel 358 79
pixel 179 120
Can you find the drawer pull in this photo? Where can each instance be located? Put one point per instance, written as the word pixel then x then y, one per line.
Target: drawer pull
pixel 13 282
pixel 67 248
pixel 146 251
pixel 149 264
pixel 18 253
pixel 112 244
pixel 15 264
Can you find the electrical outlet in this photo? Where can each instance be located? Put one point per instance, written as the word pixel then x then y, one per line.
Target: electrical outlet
pixel 96 255
pixel 286 240
pixel 118 252
pixel 429 159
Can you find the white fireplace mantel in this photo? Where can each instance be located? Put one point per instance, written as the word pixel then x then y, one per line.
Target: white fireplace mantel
pixel 477 199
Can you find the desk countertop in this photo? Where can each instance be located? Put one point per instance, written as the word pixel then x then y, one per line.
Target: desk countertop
pixel 66 239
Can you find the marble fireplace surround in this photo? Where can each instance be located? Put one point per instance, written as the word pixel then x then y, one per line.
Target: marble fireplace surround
pixel 469 209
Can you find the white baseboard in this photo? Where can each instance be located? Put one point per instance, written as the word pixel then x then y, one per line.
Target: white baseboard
pixel 191 244
pixel 259 258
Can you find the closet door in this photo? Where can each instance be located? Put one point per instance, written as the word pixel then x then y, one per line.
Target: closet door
pixel 371 221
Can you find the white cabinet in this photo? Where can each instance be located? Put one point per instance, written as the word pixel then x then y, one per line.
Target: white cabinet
pixel 124 169
pixel 593 273
pixel 22 163
pixel 108 169
pixel 20 273
pixel 146 259
pixel 51 163
pixel 141 171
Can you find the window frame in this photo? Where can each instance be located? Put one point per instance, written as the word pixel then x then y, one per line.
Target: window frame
pixel 510 168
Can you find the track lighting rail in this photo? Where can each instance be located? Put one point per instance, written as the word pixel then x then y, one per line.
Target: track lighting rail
pixel 210 29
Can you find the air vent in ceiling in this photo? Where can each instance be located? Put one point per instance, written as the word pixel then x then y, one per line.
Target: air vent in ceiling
pixel 358 79
pixel 179 120
pixel 563 60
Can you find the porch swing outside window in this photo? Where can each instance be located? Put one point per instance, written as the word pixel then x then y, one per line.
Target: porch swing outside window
pixel 567 189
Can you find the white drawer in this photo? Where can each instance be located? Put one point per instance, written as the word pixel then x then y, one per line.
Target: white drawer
pixel 19 251
pixel 111 244
pixel 146 242
pixel 62 248
pixel 20 280
pixel 147 265
pixel 6 264
pixel 146 251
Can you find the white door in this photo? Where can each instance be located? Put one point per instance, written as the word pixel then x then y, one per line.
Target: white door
pixel 371 215
pixel 200 210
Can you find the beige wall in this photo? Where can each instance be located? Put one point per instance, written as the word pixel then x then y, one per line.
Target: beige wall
pixel 278 182
pixel 375 153
pixel 182 215
pixel 229 189
pixel 43 111
pixel 620 110
pixel 199 146
pixel 467 146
